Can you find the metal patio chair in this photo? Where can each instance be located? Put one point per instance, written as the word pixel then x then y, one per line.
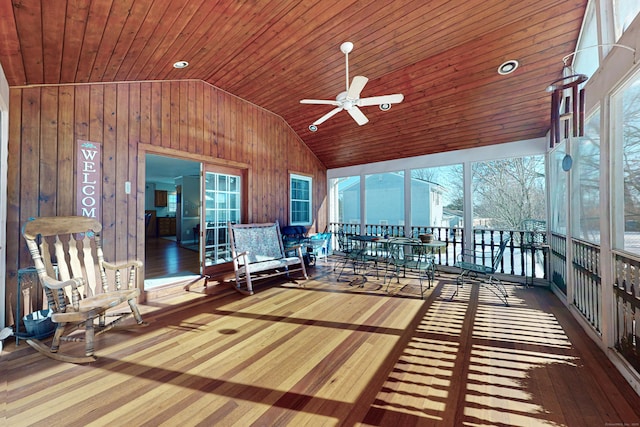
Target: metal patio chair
pixel 469 267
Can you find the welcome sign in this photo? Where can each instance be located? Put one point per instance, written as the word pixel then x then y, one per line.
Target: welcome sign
pixel 89 182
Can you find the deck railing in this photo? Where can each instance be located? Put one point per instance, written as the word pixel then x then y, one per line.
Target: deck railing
pixel 525 256
pixel 587 294
pixel 627 308
pixel 558 261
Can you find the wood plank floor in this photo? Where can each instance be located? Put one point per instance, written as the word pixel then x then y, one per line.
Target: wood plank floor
pixel 330 354
pixel 164 257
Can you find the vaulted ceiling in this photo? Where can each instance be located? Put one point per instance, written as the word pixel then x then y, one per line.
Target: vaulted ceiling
pixel 443 55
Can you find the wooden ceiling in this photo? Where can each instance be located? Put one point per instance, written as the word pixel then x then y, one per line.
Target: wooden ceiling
pixel 442 55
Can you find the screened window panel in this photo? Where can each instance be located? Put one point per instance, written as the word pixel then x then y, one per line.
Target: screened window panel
pixel 437 196
pixel 384 198
pixel 586 60
pixel 629 160
pixel 624 13
pixel 558 191
pixel 345 200
pixel 585 192
pixel 508 192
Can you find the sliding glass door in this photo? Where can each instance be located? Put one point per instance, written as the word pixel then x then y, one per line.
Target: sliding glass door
pixel 222 203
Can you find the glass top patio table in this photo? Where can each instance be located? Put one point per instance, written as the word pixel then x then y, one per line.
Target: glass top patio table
pixel 376 249
pixel 363 239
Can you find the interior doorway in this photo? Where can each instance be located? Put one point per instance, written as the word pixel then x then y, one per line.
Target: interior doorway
pixel 172 218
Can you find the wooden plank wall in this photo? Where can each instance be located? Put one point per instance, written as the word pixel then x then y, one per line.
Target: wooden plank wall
pixel 190 117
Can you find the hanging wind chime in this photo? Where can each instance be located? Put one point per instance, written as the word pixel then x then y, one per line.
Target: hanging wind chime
pixel 567 91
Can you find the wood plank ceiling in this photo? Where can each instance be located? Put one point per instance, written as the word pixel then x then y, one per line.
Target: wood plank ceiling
pixel 442 55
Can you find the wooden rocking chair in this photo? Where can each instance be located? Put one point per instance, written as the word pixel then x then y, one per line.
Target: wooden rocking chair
pixel 81 287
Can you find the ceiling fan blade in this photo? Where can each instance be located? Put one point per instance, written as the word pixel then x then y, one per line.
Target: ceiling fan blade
pixel 358 115
pixel 327 116
pixel 377 100
pixel 319 102
pixel 357 84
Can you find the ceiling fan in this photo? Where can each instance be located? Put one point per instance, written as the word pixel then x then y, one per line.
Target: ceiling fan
pixel 350 100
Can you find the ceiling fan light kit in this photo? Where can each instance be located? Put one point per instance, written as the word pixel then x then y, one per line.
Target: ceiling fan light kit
pixel 350 100
pixel 346 47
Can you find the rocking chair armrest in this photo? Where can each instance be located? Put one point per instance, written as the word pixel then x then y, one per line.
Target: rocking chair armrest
pixel 241 255
pixel 298 249
pixel 57 297
pixel 110 266
pixel 74 282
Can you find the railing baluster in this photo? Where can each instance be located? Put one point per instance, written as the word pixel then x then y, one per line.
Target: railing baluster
pixel 627 306
pixel 486 240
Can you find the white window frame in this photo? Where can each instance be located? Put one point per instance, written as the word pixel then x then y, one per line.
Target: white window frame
pixel 172 202
pixel 309 179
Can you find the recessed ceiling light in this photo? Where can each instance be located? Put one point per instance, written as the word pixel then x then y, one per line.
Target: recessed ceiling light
pixel 181 64
pixel 508 67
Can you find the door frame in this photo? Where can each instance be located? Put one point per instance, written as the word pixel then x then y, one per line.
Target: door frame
pixel 4 201
pixel 207 163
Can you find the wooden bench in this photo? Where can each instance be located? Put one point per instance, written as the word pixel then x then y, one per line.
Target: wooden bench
pixel 258 253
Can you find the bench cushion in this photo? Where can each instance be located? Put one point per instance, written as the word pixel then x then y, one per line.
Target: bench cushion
pixel 269 265
pixel 261 244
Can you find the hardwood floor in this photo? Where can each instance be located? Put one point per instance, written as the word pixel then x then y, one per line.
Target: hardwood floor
pixel 165 257
pixel 327 353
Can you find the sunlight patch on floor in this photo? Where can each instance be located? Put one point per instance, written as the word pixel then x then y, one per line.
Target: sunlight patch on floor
pixel 184 276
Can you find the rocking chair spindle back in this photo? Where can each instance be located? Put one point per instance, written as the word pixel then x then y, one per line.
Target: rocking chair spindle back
pixel 86 289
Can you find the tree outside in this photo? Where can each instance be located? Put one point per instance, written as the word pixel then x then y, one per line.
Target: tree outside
pixel 508 192
pixel 628 233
